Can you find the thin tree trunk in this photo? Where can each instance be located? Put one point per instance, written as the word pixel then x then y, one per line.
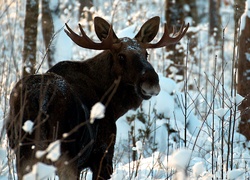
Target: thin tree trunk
pixel 30 36
pixel 48 30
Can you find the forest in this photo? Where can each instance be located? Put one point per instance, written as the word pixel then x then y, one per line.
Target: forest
pixel 198 127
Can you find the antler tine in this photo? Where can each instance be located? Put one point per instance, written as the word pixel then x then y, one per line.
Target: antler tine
pixel 85 42
pixel 167 40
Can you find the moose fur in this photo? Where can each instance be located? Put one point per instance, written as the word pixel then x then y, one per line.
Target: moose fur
pixel 59 102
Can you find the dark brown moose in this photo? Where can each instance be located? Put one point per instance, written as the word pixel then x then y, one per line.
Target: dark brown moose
pixel 59 101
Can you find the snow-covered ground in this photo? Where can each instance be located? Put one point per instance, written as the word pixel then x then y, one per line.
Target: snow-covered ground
pixel 179 134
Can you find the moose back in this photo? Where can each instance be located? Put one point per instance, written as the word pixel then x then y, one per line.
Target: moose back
pixel 59 101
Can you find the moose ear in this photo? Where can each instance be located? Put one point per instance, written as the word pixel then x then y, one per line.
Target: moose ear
pixel 148 30
pixel 102 29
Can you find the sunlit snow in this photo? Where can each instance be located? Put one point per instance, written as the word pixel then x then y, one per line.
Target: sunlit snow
pixel 53 151
pixel 28 126
pixel 97 112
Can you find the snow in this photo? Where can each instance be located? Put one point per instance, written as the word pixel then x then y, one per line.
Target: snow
pixel 138 147
pixel 180 159
pixel 28 126
pixel 53 151
pixel 245 15
pixel 97 112
pixel 127 32
pixel 53 5
pixel 221 112
pixel 247 8
pixel 247 56
pixel 40 171
pixel 198 169
pixel 235 174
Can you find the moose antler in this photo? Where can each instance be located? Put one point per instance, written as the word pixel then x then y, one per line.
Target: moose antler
pixel 167 40
pixel 85 42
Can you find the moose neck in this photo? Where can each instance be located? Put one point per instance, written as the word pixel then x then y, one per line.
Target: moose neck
pixel 99 73
pixel 100 69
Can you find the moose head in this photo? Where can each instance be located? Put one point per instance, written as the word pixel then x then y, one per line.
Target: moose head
pixel 130 55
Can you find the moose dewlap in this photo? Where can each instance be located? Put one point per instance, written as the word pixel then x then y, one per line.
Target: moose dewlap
pixel 59 101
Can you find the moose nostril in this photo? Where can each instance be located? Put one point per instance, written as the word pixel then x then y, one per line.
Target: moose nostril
pixel 157 90
pixel 150 90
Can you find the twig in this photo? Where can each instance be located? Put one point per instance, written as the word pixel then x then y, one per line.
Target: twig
pixel 105 153
pixel 47 50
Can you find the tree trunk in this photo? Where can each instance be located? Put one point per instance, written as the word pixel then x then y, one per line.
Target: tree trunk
pixel 48 30
pixel 244 77
pixel 214 19
pixel 30 36
pixel 175 16
pixel 86 15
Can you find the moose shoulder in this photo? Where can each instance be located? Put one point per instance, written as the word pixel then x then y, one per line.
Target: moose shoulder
pixel 59 101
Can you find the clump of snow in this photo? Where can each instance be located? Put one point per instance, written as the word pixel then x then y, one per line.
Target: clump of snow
pixel 53 151
pixel 220 112
pixel 180 159
pixel 40 171
pixel 97 112
pixel 235 174
pixel 65 135
pixel 198 169
pixel 238 99
pixel 138 147
pixel 39 154
pixel 28 126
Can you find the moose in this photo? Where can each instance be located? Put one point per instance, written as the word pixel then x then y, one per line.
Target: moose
pixel 59 101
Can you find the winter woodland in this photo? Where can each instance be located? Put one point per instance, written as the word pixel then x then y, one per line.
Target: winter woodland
pixel 191 130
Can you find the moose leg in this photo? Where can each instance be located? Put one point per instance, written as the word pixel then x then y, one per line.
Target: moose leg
pixel 102 155
pixel 67 170
pixel 101 164
pixel 24 160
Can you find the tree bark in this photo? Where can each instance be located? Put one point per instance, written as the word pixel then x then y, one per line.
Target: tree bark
pixel 176 12
pixel 48 30
pixel 30 37
pixel 175 16
pixel 86 15
pixel 244 77
pixel 214 19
